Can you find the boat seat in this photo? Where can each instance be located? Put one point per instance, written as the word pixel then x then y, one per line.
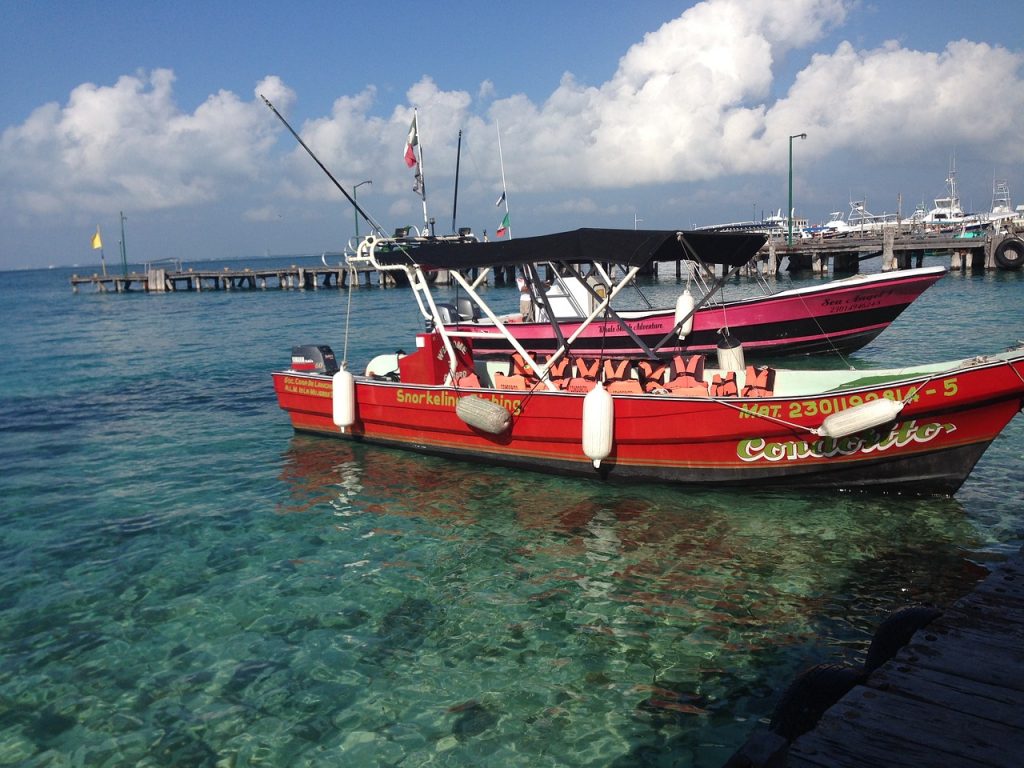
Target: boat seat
pixel 759 382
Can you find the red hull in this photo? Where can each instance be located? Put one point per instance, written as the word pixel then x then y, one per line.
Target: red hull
pixel 840 316
pixel 937 439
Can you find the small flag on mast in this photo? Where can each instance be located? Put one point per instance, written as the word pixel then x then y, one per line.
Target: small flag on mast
pixel 410 142
pixel 502 228
pixel 501 199
pixel 97 243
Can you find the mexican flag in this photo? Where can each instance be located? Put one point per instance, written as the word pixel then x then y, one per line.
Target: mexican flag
pixel 502 228
pixel 410 142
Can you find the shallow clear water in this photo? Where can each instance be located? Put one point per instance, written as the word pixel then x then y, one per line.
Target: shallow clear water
pixel 185 582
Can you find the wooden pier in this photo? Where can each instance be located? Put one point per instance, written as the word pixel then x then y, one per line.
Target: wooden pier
pixel 158 280
pixel 952 696
pixel 898 251
pixel 998 251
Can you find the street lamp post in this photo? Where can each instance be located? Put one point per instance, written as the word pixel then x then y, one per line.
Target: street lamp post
pixel 790 215
pixel 355 197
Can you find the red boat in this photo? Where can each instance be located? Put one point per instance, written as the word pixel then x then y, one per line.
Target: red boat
pixel 682 418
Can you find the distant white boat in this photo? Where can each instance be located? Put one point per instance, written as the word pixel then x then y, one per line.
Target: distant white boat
pixel 947 214
pixel 860 221
pixel 946 211
pixel 774 225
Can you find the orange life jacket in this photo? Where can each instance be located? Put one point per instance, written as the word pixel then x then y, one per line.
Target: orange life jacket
pixel 652 371
pixel 687 371
pixel 587 368
pixel 724 386
pixel 466 379
pixel 513 381
pixel 625 387
pixel 616 370
pixel 760 382
pixel 520 367
pixel 560 369
pixel 580 385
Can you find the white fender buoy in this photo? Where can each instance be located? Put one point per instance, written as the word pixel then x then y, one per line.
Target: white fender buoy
pixel 684 308
pixel 485 415
pixel 730 352
pixel 598 424
pixel 344 399
pixel 863 416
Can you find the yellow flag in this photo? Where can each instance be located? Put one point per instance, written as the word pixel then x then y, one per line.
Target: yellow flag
pixel 96 242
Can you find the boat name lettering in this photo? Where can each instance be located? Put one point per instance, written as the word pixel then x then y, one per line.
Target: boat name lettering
pixel 294 385
pixel 642 326
pixel 759 449
pixel 448 400
pixel 859 301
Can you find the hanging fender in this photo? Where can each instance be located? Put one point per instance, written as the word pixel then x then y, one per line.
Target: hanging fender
pixel 598 424
pixel 684 313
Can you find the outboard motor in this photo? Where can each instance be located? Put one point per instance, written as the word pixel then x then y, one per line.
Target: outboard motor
pixel 317 358
pixel 448 314
pixel 467 309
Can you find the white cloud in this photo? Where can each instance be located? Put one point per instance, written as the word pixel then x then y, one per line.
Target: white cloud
pixel 890 100
pixel 131 142
pixel 697 100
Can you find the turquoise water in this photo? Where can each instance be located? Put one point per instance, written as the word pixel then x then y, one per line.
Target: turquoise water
pixel 186 582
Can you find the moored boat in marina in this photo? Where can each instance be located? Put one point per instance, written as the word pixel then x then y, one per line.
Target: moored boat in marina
pixel 837 317
pixel 673 418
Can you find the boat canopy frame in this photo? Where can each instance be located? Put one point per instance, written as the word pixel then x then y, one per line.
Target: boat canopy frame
pixel 624 247
pixel 630 249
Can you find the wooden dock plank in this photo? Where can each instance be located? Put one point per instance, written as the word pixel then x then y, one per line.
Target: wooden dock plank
pixel 999 704
pixel 953 696
pixel 872 729
pixel 970 653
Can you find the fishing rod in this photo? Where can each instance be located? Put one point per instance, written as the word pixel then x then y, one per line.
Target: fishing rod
pixel 455 202
pixel 360 211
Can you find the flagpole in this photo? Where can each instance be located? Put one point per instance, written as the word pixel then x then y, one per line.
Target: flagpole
pixel 423 183
pixel 97 242
pixel 124 250
pixel 504 192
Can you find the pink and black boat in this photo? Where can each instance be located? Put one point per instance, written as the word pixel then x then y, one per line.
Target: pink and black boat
pixel 839 316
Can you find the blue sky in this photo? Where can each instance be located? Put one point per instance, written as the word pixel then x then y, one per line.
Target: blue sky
pixel 674 114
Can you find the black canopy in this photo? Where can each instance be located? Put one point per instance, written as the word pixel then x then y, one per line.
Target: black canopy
pixel 628 247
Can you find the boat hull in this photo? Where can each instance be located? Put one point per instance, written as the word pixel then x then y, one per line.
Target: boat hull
pixel 948 422
pixel 841 316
